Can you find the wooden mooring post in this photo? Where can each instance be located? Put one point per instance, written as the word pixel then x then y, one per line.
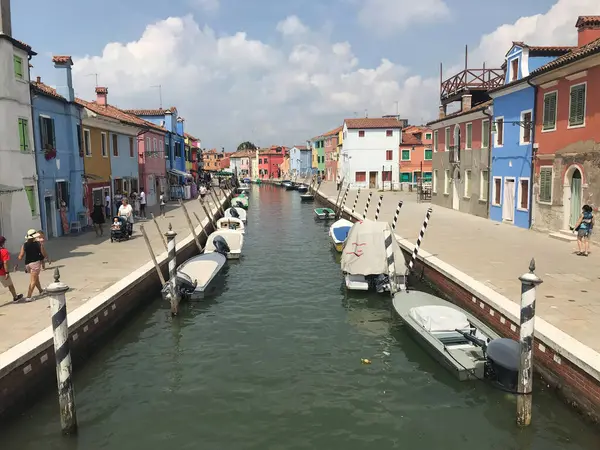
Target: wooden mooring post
pixel 191 225
pixel 62 354
pixel 529 283
pixel 175 297
pixel 156 266
pixel 378 209
pixel 200 222
pixel 159 232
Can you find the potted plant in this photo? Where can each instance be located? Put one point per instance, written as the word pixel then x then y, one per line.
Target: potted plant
pixel 49 153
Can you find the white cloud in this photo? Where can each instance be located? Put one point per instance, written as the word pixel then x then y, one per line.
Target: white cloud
pixel 388 16
pixel 291 25
pixel 207 5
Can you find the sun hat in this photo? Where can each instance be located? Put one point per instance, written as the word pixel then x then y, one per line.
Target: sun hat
pixel 32 234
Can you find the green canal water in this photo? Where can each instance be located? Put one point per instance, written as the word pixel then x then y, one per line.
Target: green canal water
pixel 274 362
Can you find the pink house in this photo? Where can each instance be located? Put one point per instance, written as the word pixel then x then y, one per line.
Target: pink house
pixel 152 162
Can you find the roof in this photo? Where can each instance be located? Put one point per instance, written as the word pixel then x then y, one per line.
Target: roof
pixel 118 114
pixel 479 107
pixel 550 50
pixel 301 147
pixel 334 131
pixel 371 123
pixel 410 139
pixel 22 45
pixel 587 21
pixel 189 136
pixel 242 154
pixel 44 89
pixel 151 112
pixel 62 59
pixel 575 54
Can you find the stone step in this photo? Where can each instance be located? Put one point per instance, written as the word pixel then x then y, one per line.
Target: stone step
pixel 564 235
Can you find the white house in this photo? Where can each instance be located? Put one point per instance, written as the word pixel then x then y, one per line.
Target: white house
pixel 370 152
pixel 19 206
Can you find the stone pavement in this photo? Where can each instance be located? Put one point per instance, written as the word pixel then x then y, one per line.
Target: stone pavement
pixel 496 254
pixel 88 265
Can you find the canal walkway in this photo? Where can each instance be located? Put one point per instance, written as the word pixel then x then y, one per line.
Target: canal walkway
pixel 88 265
pixel 496 254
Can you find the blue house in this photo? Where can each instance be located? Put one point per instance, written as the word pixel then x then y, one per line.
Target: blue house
pixel 513 142
pixel 300 160
pixel 59 156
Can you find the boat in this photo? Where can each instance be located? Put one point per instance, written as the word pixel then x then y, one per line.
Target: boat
pixel 324 213
pixel 243 189
pixel 285 183
pixel 338 232
pixel 364 258
pixel 228 242
pixel 302 188
pixel 236 212
pixel 458 340
pixel 291 186
pixel 258 181
pixel 247 180
pixel 240 202
pixel 196 277
pixel 307 197
pixel 231 223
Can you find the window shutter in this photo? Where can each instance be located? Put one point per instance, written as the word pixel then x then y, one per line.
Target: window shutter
pixel 550 111
pixel 52 139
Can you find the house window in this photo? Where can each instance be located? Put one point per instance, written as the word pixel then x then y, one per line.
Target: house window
pixel 155 147
pixel 428 154
pixel 386 175
pixel 47 133
pixel 360 177
pixel 435 141
pixel 31 198
pixel 87 142
pixel 79 139
pixel 426 177
pixel 62 192
pixel 484 185
pixel 18 67
pixel 469 133
pixel 546 175
pixel 115 145
pixel 23 135
pixel 160 145
pixel 131 152
pixel 405 155
pixel 427 136
pixel 446 181
pixel 177 149
pixel 265 161
pixel 485 134
pixel 514 69
pixel 148 149
pixel 260 161
pixel 524 193
pixel 526 127
pixel 497 191
pixel 467 192
pixel 435 181
pixel 405 177
pixel 447 140
pixel 389 133
pixel 389 155
pixel 577 106
pixel 499 131
pixel 549 113
pixel 103 145
pixel 361 133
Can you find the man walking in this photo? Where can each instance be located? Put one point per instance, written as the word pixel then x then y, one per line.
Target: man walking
pixel 142 199
pixel 5 279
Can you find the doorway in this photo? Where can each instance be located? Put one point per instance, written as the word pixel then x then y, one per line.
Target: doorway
pixel 372 180
pixel 575 201
pixel 50 223
pixel 455 198
pixel 508 205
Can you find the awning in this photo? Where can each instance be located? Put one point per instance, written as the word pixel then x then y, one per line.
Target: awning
pixel 180 173
pixel 4 189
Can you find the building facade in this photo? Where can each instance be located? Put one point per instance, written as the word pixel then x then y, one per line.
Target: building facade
pixel 416 154
pixel 331 154
pixel 151 162
pixel 301 160
pixel 270 160
pixel 59 155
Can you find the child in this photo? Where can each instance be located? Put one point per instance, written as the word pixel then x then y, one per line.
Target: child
pixel 116 225
pixel 162 203
pixel 41 239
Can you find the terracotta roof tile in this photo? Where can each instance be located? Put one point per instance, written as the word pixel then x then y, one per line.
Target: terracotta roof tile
pixel 542 50
pixel 479 107
pixel 46 90
pixel 587 20
pixel 575 54
pixel 62 59
pixel 371 123
pixel 189 136
pixel 333 132
pixel 22 45
pixel 118 114
pixel 410 139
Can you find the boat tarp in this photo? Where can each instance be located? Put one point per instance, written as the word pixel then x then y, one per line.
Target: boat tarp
pixel 439 318
pixel 364 251
pixel 341 233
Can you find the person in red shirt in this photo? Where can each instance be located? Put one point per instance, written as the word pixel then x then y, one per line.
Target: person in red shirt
pixel 5 279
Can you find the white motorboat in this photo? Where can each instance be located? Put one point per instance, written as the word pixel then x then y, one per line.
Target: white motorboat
pixel 231 223
pixel 364 258
pixel 237 213
pixel 244 188
pixel 196 277
pixel 458 340
pixel 338 232
pixel 228 242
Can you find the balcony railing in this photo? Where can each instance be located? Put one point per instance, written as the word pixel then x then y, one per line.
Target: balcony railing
pixel 454 154
pixel 482 79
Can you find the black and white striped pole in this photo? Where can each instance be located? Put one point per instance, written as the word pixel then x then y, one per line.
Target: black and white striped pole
pixel 62 354
pixel 378 210
pixel 415 252
pixel 172 255
pixel 367 205
pixel 343 204
pixel 529 283
pixel 389 253
pixel 396 214
pixel 355 202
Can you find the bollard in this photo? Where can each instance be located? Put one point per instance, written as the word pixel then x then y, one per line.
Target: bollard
pixel 159 232
pixel 395 221
pixel 389 253
pixel 367 205
pixel 355 202
pixel 378 207
pixel 173 270
pixel 62 354
pixel 529 283
pixel 415 252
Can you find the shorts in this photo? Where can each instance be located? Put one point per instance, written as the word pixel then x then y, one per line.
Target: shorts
pixel 583 233
pixel 162 208
pixel 35 267
pixel 6 282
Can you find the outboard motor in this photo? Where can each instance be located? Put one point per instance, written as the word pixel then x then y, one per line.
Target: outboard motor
pixel 326 212
pixel 234 213
pixel 503 359
pixel 184 285
pixel 381 283
pixel 221 245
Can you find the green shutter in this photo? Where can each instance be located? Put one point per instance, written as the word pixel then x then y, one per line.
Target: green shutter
pixel 428 154
pixel 485 134
pixel 23 135
pixel 405 155
pixel 577 109
pixel 18 66
pixel 469 136
pixel 29 190
pixel 405 177
pixel 549 122
pixel 545 184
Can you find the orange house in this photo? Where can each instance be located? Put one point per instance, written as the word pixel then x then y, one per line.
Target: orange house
pixel 416 153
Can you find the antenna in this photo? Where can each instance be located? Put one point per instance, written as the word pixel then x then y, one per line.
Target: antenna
pixel 397 108
pixel 93 75
pixel 366 113
pixel 159 86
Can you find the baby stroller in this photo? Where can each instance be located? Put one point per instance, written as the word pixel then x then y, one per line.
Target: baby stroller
pixel 120 230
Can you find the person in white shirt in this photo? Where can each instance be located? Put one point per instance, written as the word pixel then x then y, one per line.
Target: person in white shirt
pixel 202 192
pixel 142 198
pixel 107 206
pixel 125 210
pixel 162 203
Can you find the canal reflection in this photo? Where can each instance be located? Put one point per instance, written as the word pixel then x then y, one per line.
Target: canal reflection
pixel 273 362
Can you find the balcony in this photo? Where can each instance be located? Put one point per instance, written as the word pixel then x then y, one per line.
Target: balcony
pixel 454 154
pixel 471 80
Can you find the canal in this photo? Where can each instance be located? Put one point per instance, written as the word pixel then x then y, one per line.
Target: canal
pixel 274 362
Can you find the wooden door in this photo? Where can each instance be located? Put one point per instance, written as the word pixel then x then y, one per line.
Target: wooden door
pixel 372 180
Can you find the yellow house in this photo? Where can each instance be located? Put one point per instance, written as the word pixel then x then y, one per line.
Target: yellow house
pixel 284 167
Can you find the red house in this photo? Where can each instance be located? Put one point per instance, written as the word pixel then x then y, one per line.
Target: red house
pixel 331 153
pixel 269 161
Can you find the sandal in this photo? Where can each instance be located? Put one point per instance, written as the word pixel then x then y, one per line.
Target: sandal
pixel 579 253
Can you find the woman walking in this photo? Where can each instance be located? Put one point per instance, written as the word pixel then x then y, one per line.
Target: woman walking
pixel 98 218
pixel 584 226
pixel 34 253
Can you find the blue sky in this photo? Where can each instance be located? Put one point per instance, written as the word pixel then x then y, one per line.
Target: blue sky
pixel 414 47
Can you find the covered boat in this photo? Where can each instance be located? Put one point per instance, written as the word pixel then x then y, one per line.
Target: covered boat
pixel 364 258
pixel 247 180
pixel 228 242
pixel 307 197
pixel 196 277
pixel 458 340
pixel 236 212
pixel 302 188
pixel 324 213
pixel 240 202
pixel 231 223
pixel 338 232
pixel 244 188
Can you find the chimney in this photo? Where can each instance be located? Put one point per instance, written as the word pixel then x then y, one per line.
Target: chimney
pixel 466 102
pixel 101 95
pixel 442 113
pixel 588 29
pixel 65 84
pixel 38 79
pixel 5 22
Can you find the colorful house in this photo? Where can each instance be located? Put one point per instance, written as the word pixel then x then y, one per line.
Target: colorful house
pixel 300 160
pixel 331 153
pixel 566 133
pixel 512 146
pixel 254 173
pixel 284 168
pixel 211 160
pixel 59 158
pixel 194 153
pixel 151 160
pixel 317 146
pixel 269 160
pixel 416 154
pixel 340 146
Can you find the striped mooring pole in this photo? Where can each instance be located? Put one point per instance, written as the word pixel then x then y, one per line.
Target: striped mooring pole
pixel 367 205
pixel 173 270
pixel 355 202
pixel 389 252
pixel 396 214
pixel 343 204
pixel 62 354
pixel 529 283
pixel 415 252
pixel 377 211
